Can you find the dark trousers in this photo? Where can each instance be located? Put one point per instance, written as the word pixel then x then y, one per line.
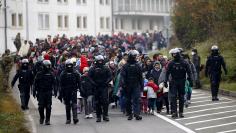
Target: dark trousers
pixel 197 82
pixel 101 101
pixel 45 102
pixel 24 95
pixel 166 101
pixel 133 100
pixel 71 104
pixel 215 84
pixel 159 103
pixel 177 90
pixel 151 103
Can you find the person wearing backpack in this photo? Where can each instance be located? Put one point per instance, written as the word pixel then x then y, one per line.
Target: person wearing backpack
pixel 25 76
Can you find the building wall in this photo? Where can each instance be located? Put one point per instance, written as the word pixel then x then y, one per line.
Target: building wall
pixel 92 9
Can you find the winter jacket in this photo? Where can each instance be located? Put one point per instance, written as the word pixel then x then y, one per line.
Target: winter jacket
pixel 151 89
pixel 87 88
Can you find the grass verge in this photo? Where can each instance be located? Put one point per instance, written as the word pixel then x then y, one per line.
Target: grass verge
pixel 11 117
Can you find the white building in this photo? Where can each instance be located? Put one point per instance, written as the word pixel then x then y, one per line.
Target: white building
pixel 39 18
pixel 141 15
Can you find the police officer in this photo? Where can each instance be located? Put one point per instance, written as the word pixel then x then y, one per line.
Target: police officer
pixel 70 83
pixel 196 61
pixel 213 69
pixel 177 69
pixel 132 84
pixel 25 76
pixel 100 76
pixel 44 85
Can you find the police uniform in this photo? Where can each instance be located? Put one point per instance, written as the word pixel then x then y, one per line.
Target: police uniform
pixel 132 84
pixel 25 77
pixel 100 76
pixel 177 69
pixel 213 70
pixel 70 83
pixel 44 85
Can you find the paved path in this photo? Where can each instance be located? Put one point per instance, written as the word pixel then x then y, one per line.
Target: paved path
pixel 202 116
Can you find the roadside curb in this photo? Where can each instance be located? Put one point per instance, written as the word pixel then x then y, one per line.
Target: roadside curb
pixel 223 92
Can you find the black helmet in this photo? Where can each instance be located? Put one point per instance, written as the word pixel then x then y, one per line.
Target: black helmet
pixel 47 65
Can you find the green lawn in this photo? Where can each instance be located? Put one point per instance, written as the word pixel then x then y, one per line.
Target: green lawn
pixel 11 117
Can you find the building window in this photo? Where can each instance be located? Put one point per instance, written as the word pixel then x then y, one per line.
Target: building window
pixel 116 23
pixel 133 24
pixel 66 21
pixel 43 21
pixel 139 24
pixel 43 1
pixel 85 22
pixel 20 20
pixel 122 23
pixel 59 20
pixel 13 19
pixel 62 1
pixel 79 2
pixel 107 2
pixel 101 22
pixel 108 23
pixel 78 21
pixel 46 21
pixel 101 2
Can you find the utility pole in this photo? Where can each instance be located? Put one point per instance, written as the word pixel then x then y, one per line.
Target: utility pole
pixel 5 18
pixel 27 20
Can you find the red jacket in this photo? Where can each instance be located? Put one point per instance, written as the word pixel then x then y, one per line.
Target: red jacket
pixel 155 88
pixel 83 63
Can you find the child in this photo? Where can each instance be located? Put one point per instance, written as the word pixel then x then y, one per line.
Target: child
pixel 151 88
pixel 144 100
pixel 87 90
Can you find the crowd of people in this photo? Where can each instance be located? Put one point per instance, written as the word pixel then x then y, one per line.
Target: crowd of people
pixel 97 71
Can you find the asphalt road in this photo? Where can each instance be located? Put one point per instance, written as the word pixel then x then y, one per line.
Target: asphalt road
pixel 202 116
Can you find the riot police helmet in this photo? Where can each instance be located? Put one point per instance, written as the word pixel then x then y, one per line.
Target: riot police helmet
pixel 69 64
pixel 25 63
pixel 215 49
pixel 99 60
pixel 175 53
pixel 47 65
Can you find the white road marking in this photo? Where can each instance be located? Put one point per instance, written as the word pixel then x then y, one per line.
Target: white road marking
pixel 200 97
pixel 206 115
pixel 226 124
pixel 187 130
pixel 210 109
pixel 229 131
pixel 209 100
pixel 211 104
pixel 196 122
